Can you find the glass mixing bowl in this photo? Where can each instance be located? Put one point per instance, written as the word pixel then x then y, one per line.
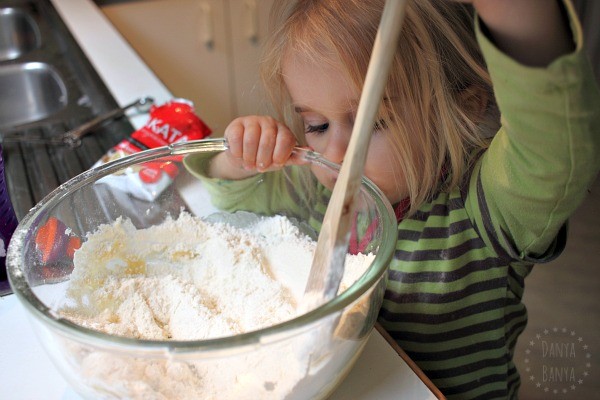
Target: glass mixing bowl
pixel 302 358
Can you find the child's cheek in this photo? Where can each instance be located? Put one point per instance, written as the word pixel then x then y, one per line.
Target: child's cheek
pixel 326 178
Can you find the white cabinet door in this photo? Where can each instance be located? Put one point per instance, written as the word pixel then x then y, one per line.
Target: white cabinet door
pixel 206 51
pixel 171 37
pixel 248 31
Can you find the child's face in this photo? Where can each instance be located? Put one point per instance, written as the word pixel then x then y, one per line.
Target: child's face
pixel 327 106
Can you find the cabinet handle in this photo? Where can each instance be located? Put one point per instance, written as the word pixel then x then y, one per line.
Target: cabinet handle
pixel 251 20
pixel 206 34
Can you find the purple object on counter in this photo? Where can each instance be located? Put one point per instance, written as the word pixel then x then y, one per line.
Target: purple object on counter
pixel 8 219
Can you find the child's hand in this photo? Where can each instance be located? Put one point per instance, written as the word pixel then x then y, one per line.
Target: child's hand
pixel 256 144
pixel 259 142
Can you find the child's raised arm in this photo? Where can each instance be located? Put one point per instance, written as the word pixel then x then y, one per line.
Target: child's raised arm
pixel 533 32
pixel 539 165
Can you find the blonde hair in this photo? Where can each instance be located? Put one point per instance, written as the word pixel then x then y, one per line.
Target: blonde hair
pixel 437 59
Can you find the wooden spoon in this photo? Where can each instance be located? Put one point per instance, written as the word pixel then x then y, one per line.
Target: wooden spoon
pixel 328 263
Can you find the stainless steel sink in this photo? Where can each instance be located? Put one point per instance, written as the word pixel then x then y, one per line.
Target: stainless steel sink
pixel 34 83
pixel 19 33
pixel 47 87
pixel 30 92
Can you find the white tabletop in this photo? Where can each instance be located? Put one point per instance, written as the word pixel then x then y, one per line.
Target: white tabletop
pixel 28 373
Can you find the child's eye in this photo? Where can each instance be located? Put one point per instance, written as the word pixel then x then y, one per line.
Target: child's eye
pixel 317 128
pixel 380 125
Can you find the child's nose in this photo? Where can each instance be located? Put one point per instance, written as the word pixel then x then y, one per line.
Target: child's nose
pixel 337 145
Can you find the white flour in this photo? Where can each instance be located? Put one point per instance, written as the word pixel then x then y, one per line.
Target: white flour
pixel 188 279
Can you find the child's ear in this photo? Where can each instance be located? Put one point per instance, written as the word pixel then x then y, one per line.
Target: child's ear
pixel 474 101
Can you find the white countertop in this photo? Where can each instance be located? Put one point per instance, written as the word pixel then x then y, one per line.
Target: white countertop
pixel 27 372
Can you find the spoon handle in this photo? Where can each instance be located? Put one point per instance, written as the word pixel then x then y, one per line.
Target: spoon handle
pixel 328 263
pixel 73 137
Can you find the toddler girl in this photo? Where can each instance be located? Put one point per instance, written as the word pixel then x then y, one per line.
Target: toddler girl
pixel 479 198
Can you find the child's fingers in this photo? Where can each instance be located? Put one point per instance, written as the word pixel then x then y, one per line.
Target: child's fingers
pixel 268 138
pixel 234 133
pixel 252 133
pixel 259 142
pixel 284 145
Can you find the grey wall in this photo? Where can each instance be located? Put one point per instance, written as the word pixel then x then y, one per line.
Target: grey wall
pixel 589 14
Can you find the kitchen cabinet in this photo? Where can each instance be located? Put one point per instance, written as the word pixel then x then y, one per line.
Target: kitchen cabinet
pixel 206 51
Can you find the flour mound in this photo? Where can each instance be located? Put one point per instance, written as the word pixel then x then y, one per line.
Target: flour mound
pixel 187 279
pixel 191 279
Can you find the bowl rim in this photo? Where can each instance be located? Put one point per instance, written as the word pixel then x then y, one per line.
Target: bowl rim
pixel 37 308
